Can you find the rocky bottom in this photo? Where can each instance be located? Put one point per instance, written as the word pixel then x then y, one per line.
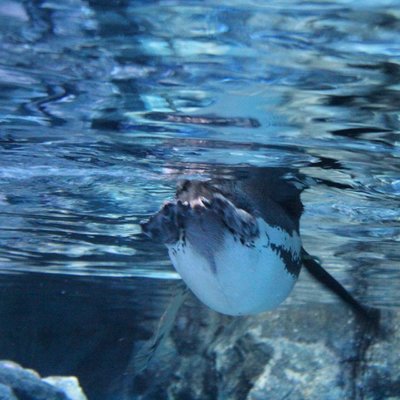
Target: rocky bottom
pixel 17 383
pixel 316 352
pixel 71 326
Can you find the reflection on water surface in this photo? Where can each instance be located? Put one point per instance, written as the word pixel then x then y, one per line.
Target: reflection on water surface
pixel 106 106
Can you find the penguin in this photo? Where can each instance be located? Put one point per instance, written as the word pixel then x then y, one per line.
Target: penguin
pixel 236 242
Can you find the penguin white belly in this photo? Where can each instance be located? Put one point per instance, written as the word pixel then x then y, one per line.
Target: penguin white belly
pixel 241 278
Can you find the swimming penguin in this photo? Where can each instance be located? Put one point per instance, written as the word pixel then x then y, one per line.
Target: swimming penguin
pixel 236 243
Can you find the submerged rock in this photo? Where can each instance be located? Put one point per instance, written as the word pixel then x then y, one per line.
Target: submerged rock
pixel 299 351
pixel 68 384
pixel 17 383
pixel 315 352
pixel 6 393
pixel 381 368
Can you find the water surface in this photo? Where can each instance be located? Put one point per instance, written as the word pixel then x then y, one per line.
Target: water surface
pixel 104 106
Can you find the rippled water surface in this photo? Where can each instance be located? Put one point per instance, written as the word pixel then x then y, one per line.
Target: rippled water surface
pixel 104 105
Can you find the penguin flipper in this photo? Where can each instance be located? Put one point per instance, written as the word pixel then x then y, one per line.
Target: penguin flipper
pixel 144 356
pixel 324 277
pixel 237 220
pixel 141 359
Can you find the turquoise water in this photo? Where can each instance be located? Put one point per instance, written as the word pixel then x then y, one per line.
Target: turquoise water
pixel 104 105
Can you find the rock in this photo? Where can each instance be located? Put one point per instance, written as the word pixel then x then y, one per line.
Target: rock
pixel 6 393
pixel 313 352
pixel 299 351
pixel 381 368
pixel 17 383
pixel 69 385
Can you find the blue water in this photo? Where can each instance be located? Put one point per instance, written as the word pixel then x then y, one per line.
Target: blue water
pixel 104 105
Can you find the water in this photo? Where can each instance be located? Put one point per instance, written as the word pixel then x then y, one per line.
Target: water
pixel 104 105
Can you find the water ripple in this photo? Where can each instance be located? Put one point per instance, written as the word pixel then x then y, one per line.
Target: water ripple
pixel 104 107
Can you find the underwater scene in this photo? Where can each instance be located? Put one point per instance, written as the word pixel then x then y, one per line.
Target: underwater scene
pixel 278 122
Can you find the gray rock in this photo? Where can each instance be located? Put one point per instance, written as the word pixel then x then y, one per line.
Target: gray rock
pixel 6 393
pixel 17 383
pixel 68 384
pixel 313 352
pixel 310 351
pixel 381 367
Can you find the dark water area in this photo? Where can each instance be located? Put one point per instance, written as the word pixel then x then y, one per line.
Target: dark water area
pixel 104 105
